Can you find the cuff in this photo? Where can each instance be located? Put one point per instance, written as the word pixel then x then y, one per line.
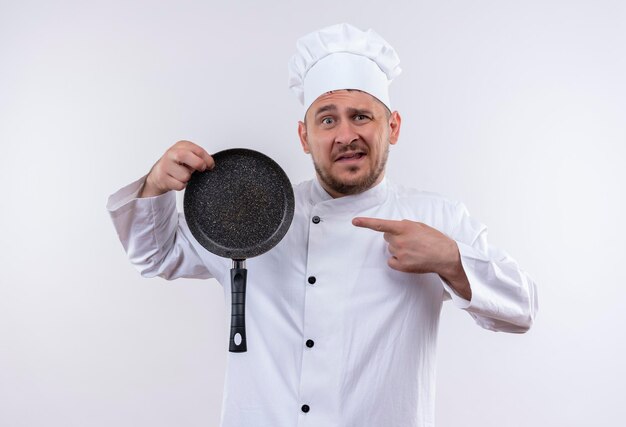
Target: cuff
pixel 127 198
pixel 475 264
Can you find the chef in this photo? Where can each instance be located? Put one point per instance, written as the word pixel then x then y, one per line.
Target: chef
pixel 342 315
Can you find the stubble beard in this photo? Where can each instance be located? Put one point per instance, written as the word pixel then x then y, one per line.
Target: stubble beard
pixel 350 188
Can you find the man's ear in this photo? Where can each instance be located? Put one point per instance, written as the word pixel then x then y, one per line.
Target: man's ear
pixel 303 137
pixel 394 126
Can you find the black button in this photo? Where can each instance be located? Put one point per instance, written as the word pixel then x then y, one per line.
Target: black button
pixel 311 279
pixel 305 408
pixel 316 219
pixel 310 343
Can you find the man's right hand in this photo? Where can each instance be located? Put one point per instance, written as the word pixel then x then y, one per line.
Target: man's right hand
pixel 173 170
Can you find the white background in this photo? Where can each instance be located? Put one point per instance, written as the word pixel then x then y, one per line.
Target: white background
pixel 516 108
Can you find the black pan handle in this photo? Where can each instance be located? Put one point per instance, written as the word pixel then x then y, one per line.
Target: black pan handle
pixel 238 276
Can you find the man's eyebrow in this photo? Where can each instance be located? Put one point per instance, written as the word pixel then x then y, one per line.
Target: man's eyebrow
pixel 325 108
pixel 359 111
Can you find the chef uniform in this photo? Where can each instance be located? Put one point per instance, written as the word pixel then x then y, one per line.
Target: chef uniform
pixel 336 338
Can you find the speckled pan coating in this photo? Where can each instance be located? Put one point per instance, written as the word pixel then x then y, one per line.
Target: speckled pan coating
pixel 242 207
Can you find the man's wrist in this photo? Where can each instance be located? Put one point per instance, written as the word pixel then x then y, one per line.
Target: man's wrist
pixel 149 190
pixel 455 274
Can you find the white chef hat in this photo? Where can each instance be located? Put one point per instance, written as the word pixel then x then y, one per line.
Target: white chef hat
pixel 342 57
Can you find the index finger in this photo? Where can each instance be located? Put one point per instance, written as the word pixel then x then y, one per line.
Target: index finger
pixel 378 224
pixel 206 157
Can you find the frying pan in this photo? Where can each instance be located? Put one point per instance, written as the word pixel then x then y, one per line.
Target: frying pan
pixel 240 209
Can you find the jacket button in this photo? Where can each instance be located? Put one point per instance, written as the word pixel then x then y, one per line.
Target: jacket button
pixel 310 343
pixel 305 408
pixel 311 279
pixel 316 219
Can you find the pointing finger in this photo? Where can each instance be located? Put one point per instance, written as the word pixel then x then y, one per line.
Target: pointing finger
pixel 378 224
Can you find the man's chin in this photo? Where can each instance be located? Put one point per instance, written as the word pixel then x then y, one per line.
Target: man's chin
pixel 351 185
pixel 347 180
pixel 341 181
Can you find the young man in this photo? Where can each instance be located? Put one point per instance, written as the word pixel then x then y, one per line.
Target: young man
pixel 342 315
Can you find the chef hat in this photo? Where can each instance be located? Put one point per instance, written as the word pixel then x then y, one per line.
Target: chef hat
pixel 342 57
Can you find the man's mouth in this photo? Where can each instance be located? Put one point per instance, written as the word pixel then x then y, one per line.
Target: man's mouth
pixel 350 156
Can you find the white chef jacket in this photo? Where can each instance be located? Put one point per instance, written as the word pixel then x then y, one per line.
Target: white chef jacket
pixel 373 329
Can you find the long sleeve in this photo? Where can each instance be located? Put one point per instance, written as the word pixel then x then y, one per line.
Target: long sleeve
pixel 504 297
pixel 154 234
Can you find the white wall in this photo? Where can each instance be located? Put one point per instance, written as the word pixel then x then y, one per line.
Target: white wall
pixel 516 108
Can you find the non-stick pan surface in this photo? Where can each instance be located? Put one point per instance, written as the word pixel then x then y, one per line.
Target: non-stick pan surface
pixel 242 207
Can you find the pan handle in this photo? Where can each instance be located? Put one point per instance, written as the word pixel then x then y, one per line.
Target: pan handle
pixel 238 276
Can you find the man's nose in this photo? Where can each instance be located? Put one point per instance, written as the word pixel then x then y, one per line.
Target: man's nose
pixel 346 133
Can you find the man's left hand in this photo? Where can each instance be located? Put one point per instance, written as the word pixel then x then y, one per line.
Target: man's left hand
pixel 418 248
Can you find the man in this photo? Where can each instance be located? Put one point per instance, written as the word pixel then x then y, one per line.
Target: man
pixel 342 315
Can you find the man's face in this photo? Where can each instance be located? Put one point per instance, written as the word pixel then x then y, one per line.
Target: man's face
pixel 348 134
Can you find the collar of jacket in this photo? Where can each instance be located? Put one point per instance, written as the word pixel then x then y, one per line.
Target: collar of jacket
pixel 375 196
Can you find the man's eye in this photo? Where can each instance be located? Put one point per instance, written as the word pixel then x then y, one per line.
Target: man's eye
pixel 360 117
pixel 327 121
